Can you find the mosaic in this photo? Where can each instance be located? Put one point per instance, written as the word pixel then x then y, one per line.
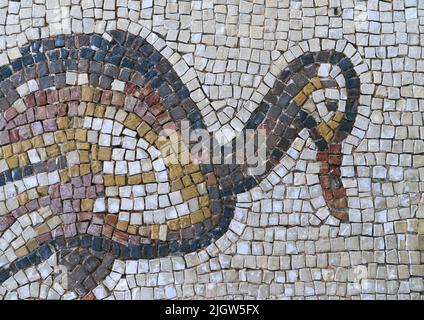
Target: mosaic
pixel 90 187
pixel 86 160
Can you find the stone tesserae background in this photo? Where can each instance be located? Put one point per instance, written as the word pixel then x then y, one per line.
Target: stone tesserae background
pixel 99 201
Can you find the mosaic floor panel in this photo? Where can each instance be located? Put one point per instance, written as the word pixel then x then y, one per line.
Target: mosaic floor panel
pixel 104 195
